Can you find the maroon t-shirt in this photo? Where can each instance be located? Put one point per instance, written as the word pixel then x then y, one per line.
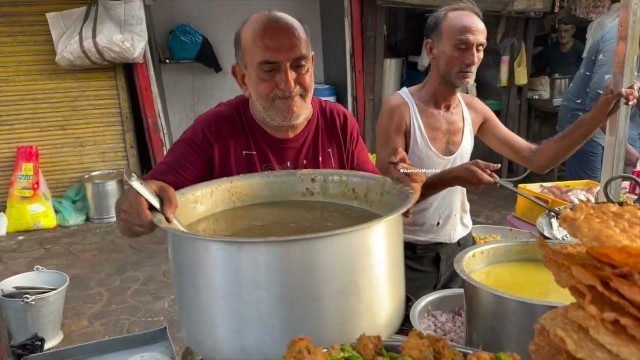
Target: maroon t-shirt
pixel 227 141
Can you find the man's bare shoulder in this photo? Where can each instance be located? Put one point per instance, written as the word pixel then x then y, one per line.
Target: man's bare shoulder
pixel 396 102
pixel 473 103
pixel 394 108
pixel 478 109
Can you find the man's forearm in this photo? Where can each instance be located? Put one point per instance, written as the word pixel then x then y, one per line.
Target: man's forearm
pixel 554 151
pixel 437 182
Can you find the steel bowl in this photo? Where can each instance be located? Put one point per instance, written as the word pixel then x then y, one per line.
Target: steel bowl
pixel 441 300
pixel 506 233
pixel 496 321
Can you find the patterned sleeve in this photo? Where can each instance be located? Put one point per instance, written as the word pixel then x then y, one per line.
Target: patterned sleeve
pixel 603 70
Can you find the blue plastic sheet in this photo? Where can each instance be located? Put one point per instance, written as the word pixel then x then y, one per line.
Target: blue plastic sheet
pixel 184 43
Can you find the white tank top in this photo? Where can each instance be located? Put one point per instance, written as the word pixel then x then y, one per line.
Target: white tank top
pixel 443 217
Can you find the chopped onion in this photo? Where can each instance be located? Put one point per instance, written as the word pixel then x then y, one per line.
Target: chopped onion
pixel 446 324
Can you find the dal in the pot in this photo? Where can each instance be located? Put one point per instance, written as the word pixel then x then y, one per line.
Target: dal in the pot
pixel 282 218
pixel 527 279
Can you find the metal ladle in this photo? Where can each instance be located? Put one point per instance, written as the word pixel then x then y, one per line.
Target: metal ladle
pixel 149 195
pixel 547 227
pixel 527 196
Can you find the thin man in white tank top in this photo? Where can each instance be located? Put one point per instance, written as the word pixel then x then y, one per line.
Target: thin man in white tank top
pixel 443 217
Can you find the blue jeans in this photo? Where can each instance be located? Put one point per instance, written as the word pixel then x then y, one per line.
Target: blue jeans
pixel 586 163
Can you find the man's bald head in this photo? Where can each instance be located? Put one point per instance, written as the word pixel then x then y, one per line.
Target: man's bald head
pixel 257 22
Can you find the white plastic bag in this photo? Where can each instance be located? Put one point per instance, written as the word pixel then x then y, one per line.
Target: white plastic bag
pixel 101 34
pixel 3 224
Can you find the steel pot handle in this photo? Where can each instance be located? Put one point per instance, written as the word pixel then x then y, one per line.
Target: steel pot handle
pixel 608 183
pixel 39 268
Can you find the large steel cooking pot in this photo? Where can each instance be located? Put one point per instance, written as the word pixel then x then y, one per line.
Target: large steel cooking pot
pixel 248 298
pixel 497 321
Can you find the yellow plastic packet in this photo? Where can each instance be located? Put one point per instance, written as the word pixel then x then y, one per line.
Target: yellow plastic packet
pixel 29 205
pixel 520 67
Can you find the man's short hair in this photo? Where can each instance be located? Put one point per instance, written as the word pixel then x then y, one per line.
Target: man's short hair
pixel 237 43
pixel 433 28
pixel 568 21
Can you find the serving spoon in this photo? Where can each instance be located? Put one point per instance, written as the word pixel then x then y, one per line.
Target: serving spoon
pixel 149 195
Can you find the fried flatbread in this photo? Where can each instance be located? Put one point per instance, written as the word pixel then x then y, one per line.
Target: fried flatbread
pixel 603 224
pixel 614 339
pixel 567 273
pixel 599 306
pixel 610 232
pixel 572 337
pixel 593 300
pixel 543 348
pixel 628 256
pixel 624 280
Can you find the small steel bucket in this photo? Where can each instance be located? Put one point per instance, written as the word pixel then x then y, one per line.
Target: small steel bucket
pixel 38 310
pixel 103 190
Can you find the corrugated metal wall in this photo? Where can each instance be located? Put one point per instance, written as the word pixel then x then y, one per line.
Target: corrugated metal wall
pixel 80 119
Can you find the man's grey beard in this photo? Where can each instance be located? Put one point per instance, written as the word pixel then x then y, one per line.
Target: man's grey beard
pixel 458 84
pixel 262 114
pixel 463 84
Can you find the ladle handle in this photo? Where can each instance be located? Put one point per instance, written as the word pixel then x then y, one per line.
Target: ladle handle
pixel 527 196
pixel 148 194
pixel 143 189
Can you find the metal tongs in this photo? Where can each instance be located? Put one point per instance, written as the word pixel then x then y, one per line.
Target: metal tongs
pixel 149 195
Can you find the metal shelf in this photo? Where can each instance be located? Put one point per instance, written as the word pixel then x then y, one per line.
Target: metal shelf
pixel 165 58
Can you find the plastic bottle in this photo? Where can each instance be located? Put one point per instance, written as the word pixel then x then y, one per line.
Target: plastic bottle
pixel 633 187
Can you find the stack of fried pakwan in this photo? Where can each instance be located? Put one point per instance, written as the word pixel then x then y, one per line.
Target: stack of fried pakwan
pixel 602 272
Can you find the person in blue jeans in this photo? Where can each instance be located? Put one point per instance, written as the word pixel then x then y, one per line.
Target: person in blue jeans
pixel 590 81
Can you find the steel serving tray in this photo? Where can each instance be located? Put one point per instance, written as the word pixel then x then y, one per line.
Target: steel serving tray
pixel 149 345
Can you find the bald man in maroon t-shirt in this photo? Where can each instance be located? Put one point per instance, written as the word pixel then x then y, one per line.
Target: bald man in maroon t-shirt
pixel 276 124
pixel 227 140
